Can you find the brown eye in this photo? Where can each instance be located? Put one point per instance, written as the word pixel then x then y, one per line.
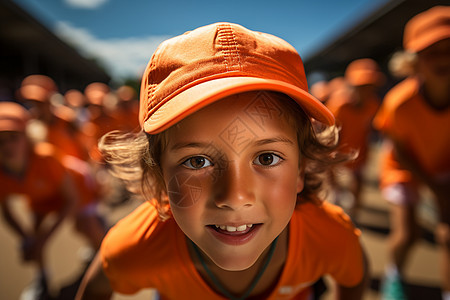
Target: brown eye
pixel 267 159
pixel 197 162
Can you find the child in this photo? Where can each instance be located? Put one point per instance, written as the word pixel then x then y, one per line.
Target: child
pixel 42 179
pixel 415 118
pixel 354 108
pixel 54 186
pixel 60 129
pixel 230 165
pixel 62 140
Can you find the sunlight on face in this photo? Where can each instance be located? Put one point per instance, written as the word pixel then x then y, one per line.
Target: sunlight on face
pixel 232 173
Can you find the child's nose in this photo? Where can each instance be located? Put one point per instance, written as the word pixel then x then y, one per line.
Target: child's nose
pixel 235 188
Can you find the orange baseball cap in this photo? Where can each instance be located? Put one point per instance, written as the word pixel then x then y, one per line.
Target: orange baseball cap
pixel 13 117
pixel 37 87
pixel 96 92
pixel 126 93
pixel 427 28
pixel 320 90
pixel 364 71
pixel 202 66
pixel 75 98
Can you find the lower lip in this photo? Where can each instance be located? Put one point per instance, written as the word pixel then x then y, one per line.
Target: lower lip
pixel 234 238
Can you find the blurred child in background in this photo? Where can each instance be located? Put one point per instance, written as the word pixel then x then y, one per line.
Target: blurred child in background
pixel 42 179
pixel 354 104
pixel 415 119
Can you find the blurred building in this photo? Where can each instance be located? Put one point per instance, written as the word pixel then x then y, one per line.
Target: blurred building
pixel 28 47
pixel 377 36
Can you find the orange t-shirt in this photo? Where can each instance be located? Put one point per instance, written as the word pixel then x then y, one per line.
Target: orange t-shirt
pixel 66 137
pixel 422 130
pixel 127 117
pixel 355 122
pixel 79 170
pixel 94 129
pixel 142 252
pixel 40 184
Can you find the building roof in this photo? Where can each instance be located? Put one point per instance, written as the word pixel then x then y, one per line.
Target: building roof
pixel 28 47
pixel 378 36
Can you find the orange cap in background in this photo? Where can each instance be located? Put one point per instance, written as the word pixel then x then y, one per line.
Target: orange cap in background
pixel 13 117
pixel 37 87
pixel 75 98
pixel 202 66
pixel 320 90
pixel 336 84
pixel 66 113
pixel 96 92
pixel 427 28
pixel 364 71
pixel 126 93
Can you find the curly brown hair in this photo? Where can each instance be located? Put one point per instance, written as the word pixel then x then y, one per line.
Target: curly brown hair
pixel 135 157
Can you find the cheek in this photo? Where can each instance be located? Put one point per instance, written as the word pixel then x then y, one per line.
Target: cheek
pixel 187 189
pixel 284 186
pixel 184 190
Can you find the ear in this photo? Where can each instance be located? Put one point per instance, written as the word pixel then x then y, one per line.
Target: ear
pixel 301 177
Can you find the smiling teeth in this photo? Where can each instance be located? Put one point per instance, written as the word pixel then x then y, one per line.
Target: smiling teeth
pixel 233 228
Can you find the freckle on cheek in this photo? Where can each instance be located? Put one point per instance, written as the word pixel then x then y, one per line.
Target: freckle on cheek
pixel 184 190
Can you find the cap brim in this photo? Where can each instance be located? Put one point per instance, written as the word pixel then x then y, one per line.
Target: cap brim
pixel 363 77
pixel 433 36
pixel 34 92
pixel 203 94
pixel 11 125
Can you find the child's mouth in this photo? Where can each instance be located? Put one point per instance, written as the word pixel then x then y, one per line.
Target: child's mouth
pixel 233 230
pixel 234 235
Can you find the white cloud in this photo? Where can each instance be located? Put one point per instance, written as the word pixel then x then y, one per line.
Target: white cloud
pixel 86 4
pixel 122 57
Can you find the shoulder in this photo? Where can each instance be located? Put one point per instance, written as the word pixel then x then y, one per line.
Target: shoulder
pixel 402 92
pixel 128 243
pixel 45 154
pixel 139 250
pixel 130 231
pixel 325 226
pixel 395 100
pixel 339 100
pixel 326 242
pixel 46 151
pixel 324 213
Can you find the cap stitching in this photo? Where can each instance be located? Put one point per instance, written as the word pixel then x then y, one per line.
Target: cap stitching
pixel 227 39
pixel 151 87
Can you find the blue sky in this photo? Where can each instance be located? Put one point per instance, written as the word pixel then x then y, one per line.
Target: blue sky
pixel 123 34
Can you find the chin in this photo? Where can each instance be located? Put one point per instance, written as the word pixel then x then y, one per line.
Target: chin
pixel 233 263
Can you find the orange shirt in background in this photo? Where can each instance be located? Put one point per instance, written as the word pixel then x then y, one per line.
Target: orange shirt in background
pixel 422 130
pixel 79 170
pixel 66 138
pixel 41 183
pixel 100 124
pixel 355 121
pixel 142 252
pixel 127 116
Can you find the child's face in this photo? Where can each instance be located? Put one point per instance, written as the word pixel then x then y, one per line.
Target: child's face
pixel 13 146
pixel 434 62
pixel 233 174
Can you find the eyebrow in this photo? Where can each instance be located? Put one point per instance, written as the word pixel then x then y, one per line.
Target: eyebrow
pixel 273 140
pixel 182 145
pixel 261 142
